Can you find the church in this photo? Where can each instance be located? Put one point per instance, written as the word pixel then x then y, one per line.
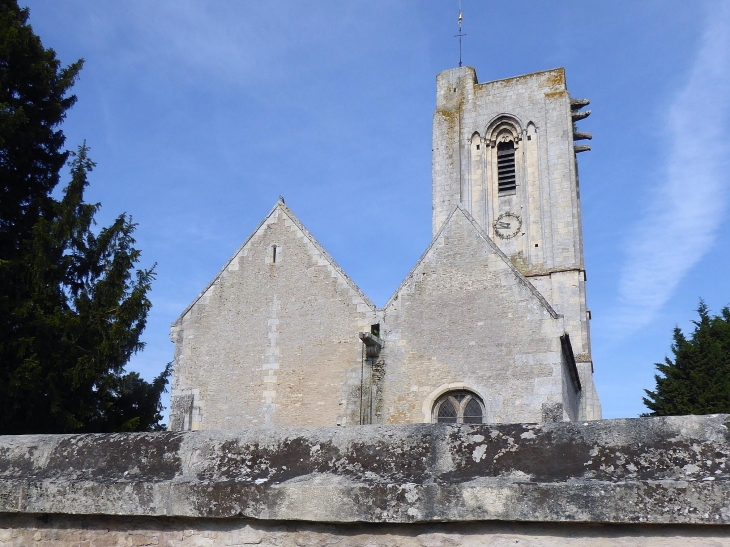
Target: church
pixel 489 326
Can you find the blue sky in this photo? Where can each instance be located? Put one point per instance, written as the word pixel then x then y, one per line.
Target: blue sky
pixel 199 114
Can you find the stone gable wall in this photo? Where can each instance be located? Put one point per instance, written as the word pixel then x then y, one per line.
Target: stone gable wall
pixel 465 316
pixel 270 343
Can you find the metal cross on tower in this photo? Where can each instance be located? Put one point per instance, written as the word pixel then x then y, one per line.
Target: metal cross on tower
pixel 460 34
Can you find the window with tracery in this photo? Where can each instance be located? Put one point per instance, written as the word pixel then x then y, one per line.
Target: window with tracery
pixel 458 407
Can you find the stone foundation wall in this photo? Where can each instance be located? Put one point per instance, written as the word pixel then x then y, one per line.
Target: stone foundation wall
pixel 92 531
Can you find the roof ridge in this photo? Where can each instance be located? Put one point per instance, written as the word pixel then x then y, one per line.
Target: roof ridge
pixel 521 278
pixel 483 234
pixel 331 260
pixel 280 206
pixel 420 259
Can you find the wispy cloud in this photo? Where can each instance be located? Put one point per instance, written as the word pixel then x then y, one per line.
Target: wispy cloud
pixel 246 44
pixel 680 225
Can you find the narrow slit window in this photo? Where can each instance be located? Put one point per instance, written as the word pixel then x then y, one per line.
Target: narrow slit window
pixel 273 254
pixel 506 179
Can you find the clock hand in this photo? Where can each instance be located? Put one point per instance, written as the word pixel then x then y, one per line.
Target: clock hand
pixel 502 225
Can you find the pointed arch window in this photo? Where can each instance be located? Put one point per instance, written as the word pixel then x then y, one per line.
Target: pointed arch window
pixel 458 407
pixel 506 179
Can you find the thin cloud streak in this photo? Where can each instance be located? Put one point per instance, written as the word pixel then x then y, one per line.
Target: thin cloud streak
pixel 680 225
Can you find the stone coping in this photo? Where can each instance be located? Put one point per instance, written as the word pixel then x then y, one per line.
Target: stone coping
pixel 644 470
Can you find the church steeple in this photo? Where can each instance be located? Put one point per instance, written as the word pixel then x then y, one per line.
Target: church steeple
pixel 504 151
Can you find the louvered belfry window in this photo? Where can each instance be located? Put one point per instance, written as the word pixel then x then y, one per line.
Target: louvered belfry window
pixel 507 183
pixel 458 407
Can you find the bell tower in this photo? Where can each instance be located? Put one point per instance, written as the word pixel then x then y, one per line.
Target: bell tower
pixel 505 150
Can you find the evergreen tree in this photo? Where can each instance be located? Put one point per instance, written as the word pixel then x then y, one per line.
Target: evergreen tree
pixel 33 102
pixel 697 381
pixel 72 304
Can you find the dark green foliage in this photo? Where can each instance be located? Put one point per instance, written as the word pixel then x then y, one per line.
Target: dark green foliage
pixel 72 305
pixel 697 381
pixel 33 102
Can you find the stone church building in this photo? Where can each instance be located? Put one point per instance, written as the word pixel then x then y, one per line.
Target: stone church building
pixel 490 325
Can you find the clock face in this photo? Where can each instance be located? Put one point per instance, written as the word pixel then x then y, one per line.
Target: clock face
pixel 507 225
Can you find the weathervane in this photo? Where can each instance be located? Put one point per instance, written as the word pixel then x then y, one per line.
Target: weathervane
pixel 460 34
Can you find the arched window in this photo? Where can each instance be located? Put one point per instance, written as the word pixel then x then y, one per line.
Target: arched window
pixel 506 180
pixel 458 407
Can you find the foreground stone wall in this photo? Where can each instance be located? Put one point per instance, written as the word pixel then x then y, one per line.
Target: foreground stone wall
pixel 92 531
pixel 650 470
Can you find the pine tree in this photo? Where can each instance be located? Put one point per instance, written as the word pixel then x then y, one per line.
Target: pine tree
pixel 697 381
pixel 72 304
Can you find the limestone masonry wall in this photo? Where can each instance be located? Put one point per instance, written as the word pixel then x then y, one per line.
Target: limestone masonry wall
pixel 535 113
pixel 273 340
pixel 465 317
pixel 646 481
pixel 647 470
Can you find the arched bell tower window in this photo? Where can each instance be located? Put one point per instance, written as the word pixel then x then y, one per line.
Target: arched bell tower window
pixel 458 407
pixel 506 179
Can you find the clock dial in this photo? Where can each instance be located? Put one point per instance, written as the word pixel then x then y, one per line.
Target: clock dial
pixel 507 225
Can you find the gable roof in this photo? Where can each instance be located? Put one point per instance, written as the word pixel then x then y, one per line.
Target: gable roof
pixel 266 220
pixel 483 235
